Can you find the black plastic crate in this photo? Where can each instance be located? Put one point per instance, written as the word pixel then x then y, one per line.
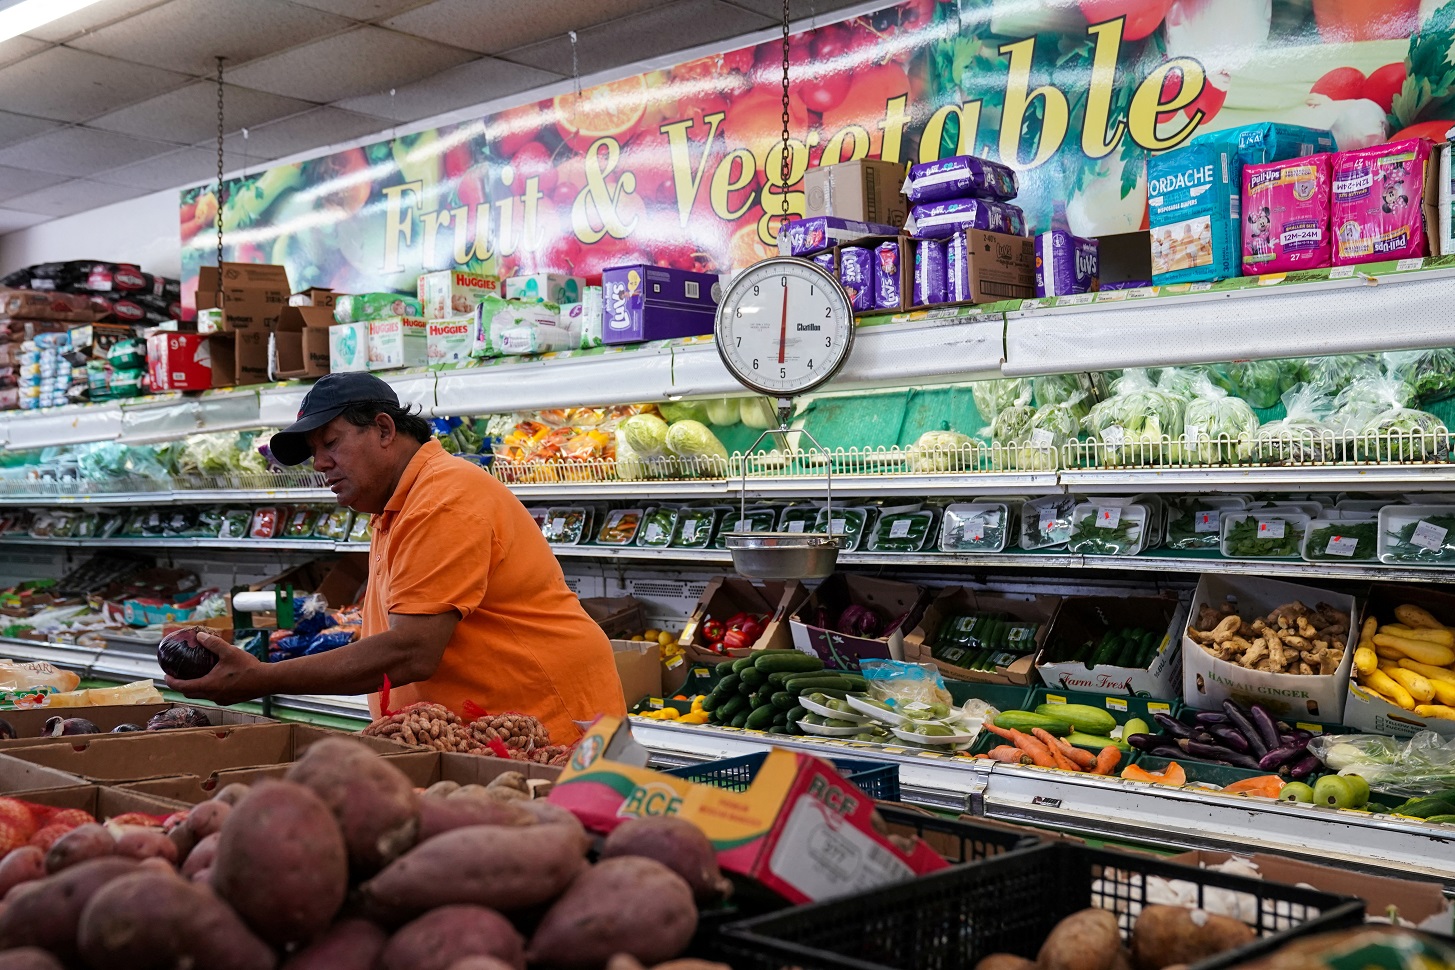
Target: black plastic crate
pixel 877 779
pixel 1009 904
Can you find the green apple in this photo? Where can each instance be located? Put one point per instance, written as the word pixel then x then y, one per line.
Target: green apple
pixel 1335 791
pixel 1296 791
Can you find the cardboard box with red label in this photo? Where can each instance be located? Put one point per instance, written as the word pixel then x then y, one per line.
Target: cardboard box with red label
pixel 800 829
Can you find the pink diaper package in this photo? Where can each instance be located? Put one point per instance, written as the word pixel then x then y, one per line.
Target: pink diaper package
pixel 1286 215
pixel 1378 202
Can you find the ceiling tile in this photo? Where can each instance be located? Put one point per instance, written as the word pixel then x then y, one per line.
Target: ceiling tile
pixel 14 128
pixel 67 198
pixel 316 129
pixel 11 220
pixel 20 181
pixel 80 151
pixel 70 85
pixel 366 60
pixel 92 17
pixel 189 114
pixel 662 31
pixel 171 171
pixel 491 26
pixel 17 48
pixel 188 35
pixel 459 87
pixel 366 9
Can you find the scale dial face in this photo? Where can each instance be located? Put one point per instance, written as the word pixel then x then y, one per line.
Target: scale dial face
pixel 784 326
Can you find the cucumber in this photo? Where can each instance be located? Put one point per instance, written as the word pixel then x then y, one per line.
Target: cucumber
pixel 741 721
pixel 723 669
pixel 740 664
pixel 1429 806
pixel 753 676
pixel 857 683
pixel 780 718
pixel 1094 742
pixel 729 684
pixel 815 681
pixel 1151 646
pixel 1090 720
pixel 713 701
pixel 783 700
pixel 779 679
pixel 770 663
pixel 1130 649
pixel 731 707
pixel 1105 650
pixel 1026 722
pixel 1441 819
pixel 775 729
pixel 796 714
pixel 761 718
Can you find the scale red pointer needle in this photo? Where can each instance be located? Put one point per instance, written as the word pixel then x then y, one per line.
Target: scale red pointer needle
pixel 783 330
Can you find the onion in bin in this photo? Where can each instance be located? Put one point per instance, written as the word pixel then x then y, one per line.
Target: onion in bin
pixel 182 657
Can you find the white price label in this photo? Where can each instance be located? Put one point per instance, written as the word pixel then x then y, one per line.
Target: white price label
pixel 1113 436
pixel 837 527
pixel 1078 299
pixel 743 525
pixel 975 528
pixel 1030 304
pixel 1108 518
pixel 1405 265
pixel 1042 438
pixel 1199 288
pixel 1047 522
pixel 1341 273
pixel 1341 546
pixel 1207 520
pixel 1429 536
pixel 654 532
pixel 795 526
pixel 689 530
pixel 558 525
pixel 1270 528
pixel 899 529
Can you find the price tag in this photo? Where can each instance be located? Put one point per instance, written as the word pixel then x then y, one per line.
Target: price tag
pixel 1429 536
pixel 795 526
pixel 558 525
pixel 1207 520
pixel 1341 273
pixel 1270 528
pixel 899 529
pixel 1341 546
pixel 1113 436
pixel 1108 518
pixel 975 528
pixel 1042 438
pixel 1199 288
pixel 1030 304
pixel 1078 299
pixel 654 532
pixel 1406 265
pixel 689 530
pixel 837 527
pixel 1047 523
pixel 1116 704
pixel 743 525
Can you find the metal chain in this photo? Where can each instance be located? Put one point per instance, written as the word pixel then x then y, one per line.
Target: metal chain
pixel 220 133
pixel 786 169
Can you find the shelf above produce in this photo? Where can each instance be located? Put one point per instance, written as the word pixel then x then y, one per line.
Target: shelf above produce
pixel 256 545
pixel 1262 478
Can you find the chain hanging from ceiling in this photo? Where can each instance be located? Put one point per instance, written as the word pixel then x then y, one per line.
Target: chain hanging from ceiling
pixel 221 131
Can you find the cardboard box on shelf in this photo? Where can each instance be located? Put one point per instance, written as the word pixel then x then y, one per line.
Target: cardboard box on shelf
pixel 28 724
pixel 620 617
pixel 888 599
pixel 252 355
pixel 1083 618
pixel 299 344
pixel 997 266
pixel 253 294
pixel 454 293
pixel 398 342
pixel 451 340
pixel 1369 711
pixel 103 802
pixel 958 601
pixel 314 296
pixel 1443 228
pixel 725 597
pixel 867 190
pixel 348 347
pixel 185 362
pixel 643 302
pixel 639 665
pixel 766 833
pixel 1208 681
pixel 17 775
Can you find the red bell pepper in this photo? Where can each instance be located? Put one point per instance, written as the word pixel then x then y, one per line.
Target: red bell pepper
pixel 712 629
pixel 752 629
pixel 738 640
pixel 715 646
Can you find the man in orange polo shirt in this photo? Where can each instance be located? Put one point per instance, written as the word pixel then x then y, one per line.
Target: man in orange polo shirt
pixel 465 600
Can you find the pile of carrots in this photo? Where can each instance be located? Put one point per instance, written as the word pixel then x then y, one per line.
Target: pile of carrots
pixel 1045 750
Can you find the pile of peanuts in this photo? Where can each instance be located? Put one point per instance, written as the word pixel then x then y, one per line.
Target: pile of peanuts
pixel 428 726
pixel 519 732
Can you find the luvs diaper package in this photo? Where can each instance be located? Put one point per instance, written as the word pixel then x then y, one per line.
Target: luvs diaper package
pixel 1379 196
pixel 1286 215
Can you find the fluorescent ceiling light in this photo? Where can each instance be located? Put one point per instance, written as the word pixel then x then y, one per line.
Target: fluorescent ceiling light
pixel 25 16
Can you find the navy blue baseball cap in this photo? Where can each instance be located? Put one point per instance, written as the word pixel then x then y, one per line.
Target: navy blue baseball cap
pixel 325 401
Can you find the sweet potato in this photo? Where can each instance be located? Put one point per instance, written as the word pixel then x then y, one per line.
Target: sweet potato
pixel 140 843
pixel 441 937
pixel 627 905
pixel 549 813
pixel 45 913
pixel 1005 961
pixel 1086 940
pixel 351 944
pixel 203 820
pixel 442 789
pixel 503 867
pixel 155 921
pixel 1164 935
pixel 202 856
pixel 374 802
pixel 281 863
pixel 475 963
pixel 28 958
pixel 677 844
pixel 24 864
pixel 437 815
pixel 510 779
pixel 78 845
pixel 232 794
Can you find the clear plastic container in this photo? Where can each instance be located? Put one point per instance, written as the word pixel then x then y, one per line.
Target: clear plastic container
pixel 904 532
pixel 621 527
pixel 758 518
pixel 696 527
pixel 1342 539
pixel 335 525
pixel 301 523
pixel 1109 529
pixel 851 525
pixel 566 525
pixel 798 518
pixel 657 527
pixel 1419 535
pixel 1046 522
pixel 1264 534
pixel 1195 521
pixel 361 529
pixel 235 523
pixel 977 527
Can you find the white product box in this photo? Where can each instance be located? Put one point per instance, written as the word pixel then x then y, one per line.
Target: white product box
pixel 348 347
pixel 545 288
pixel 454 293
pixel 398 342
pixel 450 341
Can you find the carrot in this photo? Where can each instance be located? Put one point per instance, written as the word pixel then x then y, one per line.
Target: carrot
pixel 1040 755
pixel 1057 755
pixel 1008 754
pixel 1000 732
pixel 1107 760
pixel 1082 758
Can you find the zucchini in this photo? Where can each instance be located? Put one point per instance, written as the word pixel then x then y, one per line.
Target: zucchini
pixel 1094 742
pixel 783 700
pixel 723 669
pixel 1089 720
pixel 753 676
pixel 741 721
pixel 761 718
pixel 787 663
pixel 731 707
pixel 1025 722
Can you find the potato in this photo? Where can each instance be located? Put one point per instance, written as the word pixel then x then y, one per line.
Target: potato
pixel 1164 935
pixel 374 802
pixel 442 936
pixel 155 921
pixel 232 794
pixel 81 843
pixel 281 863
pixel 437 815
pixel 45 913
pixel 624 961
pixel 503 867
pixel 679 845
pixel 442 789
pixel 203 820
pixel 140 843
pixel 1005 961
pixel 626 905
pixel 506 794
pixel 474 963
pixel 351 944
pixel 28 958
pixel 24 864
pixel 510 779
pixel 1087 940
pixel 202 856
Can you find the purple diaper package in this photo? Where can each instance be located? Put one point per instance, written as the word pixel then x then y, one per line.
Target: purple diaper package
pixel 1126 285
pixel 803 237
pixel 1065 264
pixel 887 294
pixel 826 260
pixel 957 268
pixel 963 176
pixel 935 220
pixel 856 272
pixel 929 272
pixel 1378 202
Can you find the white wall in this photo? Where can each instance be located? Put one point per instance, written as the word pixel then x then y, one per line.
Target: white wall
pixel 145 231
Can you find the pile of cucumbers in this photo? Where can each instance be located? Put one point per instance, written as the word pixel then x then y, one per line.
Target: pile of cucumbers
pixel 760 692
pixel 1133 648
pixel 984 641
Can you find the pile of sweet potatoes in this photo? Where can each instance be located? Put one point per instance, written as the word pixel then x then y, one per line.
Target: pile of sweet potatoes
pixel 343 864
pixel 1163 936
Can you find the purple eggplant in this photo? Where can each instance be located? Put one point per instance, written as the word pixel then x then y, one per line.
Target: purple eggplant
pixel 1169 751
pixel 1144 742
pixel 1305 767
pixel 1281 756
pixel 1232 739
pixel 6 730
pixel 1210 718
pixel 1240 721
pixel 1263 723
pixel 1171 725
pixel 1208 752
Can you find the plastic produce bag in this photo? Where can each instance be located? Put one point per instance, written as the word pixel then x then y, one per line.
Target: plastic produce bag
pixel 1366 397
pixel 1132 423
pixel 1301 435
pixel 1260 382
pixel 1422 765
pixel 993 397
pixel 1334 374
pixel 1218 429
pixel 1430 372
pixel 1012 426
pixel 1403 434
pixel 944 451
pixel 901 684
pixel 1080 391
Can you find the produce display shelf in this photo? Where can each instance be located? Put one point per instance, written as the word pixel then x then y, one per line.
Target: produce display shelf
pixel 1261 478
pixel 257 545
pixel 69 656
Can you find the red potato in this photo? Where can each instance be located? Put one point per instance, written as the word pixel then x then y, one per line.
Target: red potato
pixel 282 863
pixel 45 913
pixel 146 844
pixel 502 867
pixel 202 856
pixel 28 958
pixel 438 814
pixel 442 936
pixel 49 835
pixel 628 905
pixel 374 802
pixel 203 820
pixel 232 794
pixel 351 944
pixel 472 963
pixel 80 844
pixel 679 845
pixel 24 864
pixel 155 921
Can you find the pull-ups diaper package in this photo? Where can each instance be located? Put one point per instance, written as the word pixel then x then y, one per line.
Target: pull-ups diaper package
pixel 1379 200
pixel 1286 215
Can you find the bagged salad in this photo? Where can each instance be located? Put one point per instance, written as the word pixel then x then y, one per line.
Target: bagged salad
pixel 993 397
pixel 1430 372
pixel 1398 433
pixel 1361 400
pixel 1217 429
pixel 1132 424
pixel 1302 434
pixel 1079 391
pixel 944 451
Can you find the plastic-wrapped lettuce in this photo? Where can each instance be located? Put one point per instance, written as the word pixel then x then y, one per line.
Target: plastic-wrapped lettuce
pixel 1302 435
pixel 1080 391
pixel 1334 374
pixel 698 447
pixel 1217 429
pixel 1259 382
pixel 1181 381
pixel 1050 429
pixel 1011 426
pixel 722 411
pixel 645 435
pixel 673 411
pixel 944 451
pixel 1356 405
pixel 1133 421
pixel 220 453
pixel 1403 434
pixel 629 465
pixel 1430 372
pixel 993 397
pixel 757 412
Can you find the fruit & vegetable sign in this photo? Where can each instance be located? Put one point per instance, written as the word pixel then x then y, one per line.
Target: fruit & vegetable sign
pixel 682 166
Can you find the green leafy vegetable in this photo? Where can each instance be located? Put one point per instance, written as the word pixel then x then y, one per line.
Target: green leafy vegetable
pixel 1252 537
pixel 1321 544
pixel 1430 539
pixel 1090 538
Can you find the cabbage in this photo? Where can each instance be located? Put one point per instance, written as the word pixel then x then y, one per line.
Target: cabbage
pixel 1141 415
pixel 1218 427
pixel 1302 434
pixel 1334 374
pixel 1430 372
pixel 722 411
pixel 646 435
pixel 1080 391
pixel 629 467
pixel 1012 426
pixel 1260 382
pixel 692 440
pixel 757 412
pixel 993 397
pixel 683 411
pixel 944 451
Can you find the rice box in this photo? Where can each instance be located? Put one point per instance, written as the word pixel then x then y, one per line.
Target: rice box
pixel 398 342
pixel 348 347
pixel 454 293
pixel 451 341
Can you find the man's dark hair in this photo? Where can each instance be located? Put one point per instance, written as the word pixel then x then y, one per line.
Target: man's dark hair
pixel 406 422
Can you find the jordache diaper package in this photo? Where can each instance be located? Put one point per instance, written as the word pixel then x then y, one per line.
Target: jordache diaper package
pixel 1379 202
pixel 1194 197
pixel 1286 215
